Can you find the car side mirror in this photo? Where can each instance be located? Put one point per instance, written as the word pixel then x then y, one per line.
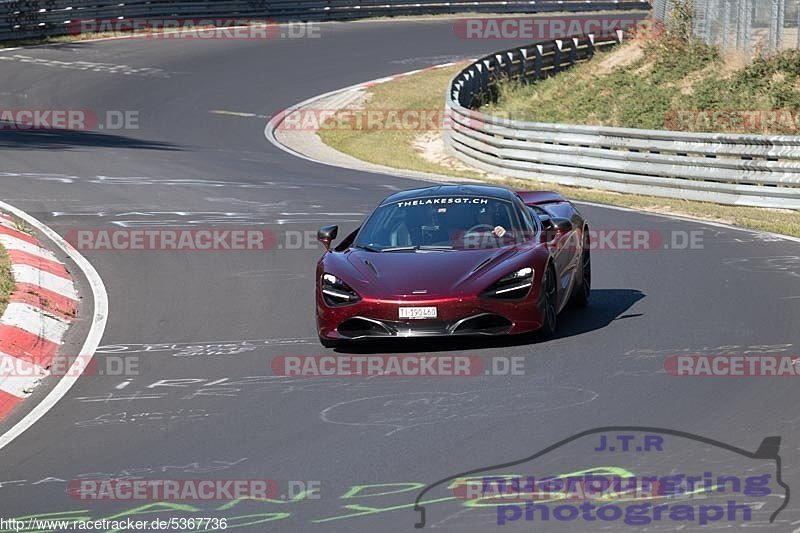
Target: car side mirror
pixel 563 225
pixel 553 226
pixel 326 234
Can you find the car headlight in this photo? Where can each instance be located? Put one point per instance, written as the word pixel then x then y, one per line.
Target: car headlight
pixel 336 292
pixel 513 286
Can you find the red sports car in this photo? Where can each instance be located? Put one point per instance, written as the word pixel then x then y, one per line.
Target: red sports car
pixel 454 260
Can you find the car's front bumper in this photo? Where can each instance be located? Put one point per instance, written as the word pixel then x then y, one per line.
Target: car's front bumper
pixel 456 316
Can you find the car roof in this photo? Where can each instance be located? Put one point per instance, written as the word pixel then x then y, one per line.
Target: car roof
pixel 488 191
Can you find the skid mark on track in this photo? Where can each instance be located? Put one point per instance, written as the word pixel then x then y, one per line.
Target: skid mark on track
pixel 146 180
pixel 786 264
pixel 199 349
pixel 105 68
pixel 269 275
pixel 730 237
pixel 161 419
pixel 137 472
pixel 407 410
pixel 726 349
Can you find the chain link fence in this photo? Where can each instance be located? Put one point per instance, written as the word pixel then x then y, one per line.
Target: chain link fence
pixel 746 25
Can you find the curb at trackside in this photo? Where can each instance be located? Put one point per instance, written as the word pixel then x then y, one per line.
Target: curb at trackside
pixel 47 295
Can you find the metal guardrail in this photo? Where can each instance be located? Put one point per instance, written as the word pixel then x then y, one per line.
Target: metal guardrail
pixel 746 170
pixel 20 19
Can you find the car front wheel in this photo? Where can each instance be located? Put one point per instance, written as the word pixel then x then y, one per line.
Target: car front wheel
pixel 547 305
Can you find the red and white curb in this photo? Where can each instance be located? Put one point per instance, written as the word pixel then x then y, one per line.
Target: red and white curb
pixel 97 320
pixel 40 310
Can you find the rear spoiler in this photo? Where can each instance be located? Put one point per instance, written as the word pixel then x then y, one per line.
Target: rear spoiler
pixel 540 197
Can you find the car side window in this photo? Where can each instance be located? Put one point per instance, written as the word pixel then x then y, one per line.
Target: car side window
pixel 538 212
pixel 530 222
pixel 526 219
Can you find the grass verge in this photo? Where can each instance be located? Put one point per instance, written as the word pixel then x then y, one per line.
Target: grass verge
pixel 6 279
pixel 688 87
pixel 405 149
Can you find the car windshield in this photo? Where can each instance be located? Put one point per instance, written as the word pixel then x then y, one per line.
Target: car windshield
pixel 446 223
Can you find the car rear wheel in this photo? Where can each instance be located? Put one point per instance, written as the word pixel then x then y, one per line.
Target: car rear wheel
pixel 580 295
pixel 547 305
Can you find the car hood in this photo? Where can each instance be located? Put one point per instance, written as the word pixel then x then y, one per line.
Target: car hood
pixel 428 274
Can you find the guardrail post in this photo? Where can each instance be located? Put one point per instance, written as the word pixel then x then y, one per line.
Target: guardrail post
pixel 465 97
pixel 557 57
pixel 537 62
pixel 510 68
pixel 523 63
pixel 573 54
pixel 590 45
pixel 475 86
pixel 484 80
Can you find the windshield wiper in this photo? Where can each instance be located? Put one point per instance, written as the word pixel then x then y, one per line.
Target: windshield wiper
pixel 421 248
pixel 436 248
pixel 367 247
pixel 400 249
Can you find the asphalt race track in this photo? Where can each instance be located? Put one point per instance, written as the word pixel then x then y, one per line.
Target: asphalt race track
pixel 187 167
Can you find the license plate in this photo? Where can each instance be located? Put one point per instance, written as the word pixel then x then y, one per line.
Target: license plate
pixel 417 313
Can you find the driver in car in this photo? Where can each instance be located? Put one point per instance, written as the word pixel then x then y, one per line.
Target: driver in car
pixel 486 218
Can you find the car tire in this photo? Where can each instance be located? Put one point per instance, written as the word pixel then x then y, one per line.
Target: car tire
pixel 582 291
pixel 548 300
